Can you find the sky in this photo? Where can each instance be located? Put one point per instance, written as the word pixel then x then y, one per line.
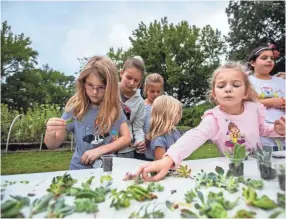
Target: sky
pixel 63 31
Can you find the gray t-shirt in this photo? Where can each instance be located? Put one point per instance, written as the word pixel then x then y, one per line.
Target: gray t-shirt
pixel 165 141
pixel 86 135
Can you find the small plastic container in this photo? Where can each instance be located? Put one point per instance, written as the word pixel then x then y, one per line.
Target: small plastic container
pixel 107 162
pixel 280 170
pixel 236 167
pixel 269 150
pixel 266 169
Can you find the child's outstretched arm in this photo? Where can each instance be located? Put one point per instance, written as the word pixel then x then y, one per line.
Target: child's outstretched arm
pixel 91 155
pixel 184 146
pixel 55 133
pixel 193 139
pixel 161 167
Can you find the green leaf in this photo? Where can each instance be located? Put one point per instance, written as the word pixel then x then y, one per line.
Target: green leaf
pixel 70 120
pixel 227 154
pixel 185 213
pixel 240 153
pixel 219 170
pixel 170 205
pixel 275 214
pixel 200 196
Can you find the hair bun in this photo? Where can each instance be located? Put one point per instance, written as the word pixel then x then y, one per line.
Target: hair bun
pixel 139 58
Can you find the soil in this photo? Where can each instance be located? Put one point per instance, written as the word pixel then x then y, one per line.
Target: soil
pixel 236 171
pixel 267 172
pixel 281 180
pixel 107 164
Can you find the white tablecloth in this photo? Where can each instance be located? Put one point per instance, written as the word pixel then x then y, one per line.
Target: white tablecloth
pixel 39 182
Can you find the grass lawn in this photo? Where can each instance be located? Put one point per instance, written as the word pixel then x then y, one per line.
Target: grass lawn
pixel 208 150
pixel 34 162
pixel 47 161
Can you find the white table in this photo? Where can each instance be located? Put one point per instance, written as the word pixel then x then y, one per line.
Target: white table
pixel 39 182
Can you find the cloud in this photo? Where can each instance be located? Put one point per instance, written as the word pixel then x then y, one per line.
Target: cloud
pixel 119 36
pixel 91 28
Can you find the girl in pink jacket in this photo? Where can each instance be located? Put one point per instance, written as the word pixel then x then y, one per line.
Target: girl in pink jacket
pixel 237 118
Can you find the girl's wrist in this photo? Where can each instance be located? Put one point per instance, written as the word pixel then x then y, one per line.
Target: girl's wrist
pixel 100 151
pixel 169 161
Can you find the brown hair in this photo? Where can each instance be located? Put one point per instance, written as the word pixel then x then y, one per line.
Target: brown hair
pixel 135 62
pixel 153 78
pixel 109 108
pixel 231 125
pixel 255 53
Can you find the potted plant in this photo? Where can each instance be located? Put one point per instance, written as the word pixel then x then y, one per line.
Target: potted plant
pixel 280 168
pixel 264 164
pixel 236 167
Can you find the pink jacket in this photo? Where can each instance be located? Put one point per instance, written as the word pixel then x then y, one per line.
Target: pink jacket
pixel 224 130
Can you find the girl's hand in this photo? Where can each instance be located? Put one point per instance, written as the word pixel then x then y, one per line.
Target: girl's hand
pixel 56 127
pixel 90 156
pixel 141 146
pixel 279 126
pixel 160 166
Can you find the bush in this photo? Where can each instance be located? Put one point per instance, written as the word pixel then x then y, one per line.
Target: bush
pixel 31 126
pixel 7 117
pixel 192 116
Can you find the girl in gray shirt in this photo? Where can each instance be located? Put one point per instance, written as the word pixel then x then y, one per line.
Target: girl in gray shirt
pixel 93 114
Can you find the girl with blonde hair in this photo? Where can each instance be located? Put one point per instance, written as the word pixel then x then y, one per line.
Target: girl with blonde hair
pixel 153 88
pixel 93 115
pixel 166 114
pixel 236 103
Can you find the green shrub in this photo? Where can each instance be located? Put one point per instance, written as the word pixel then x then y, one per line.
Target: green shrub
pixel 192 116
pixel 7 117
pixel 31 126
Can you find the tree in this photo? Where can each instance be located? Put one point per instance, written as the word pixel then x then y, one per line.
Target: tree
pixel 57 86
pixel 37 86
pixel 184 55
pixel 253 24
pixel 16 52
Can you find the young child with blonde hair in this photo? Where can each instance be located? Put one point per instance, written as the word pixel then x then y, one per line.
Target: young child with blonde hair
pixel 236 104
pixel 166 114
pixel 94 116
pixel 153 88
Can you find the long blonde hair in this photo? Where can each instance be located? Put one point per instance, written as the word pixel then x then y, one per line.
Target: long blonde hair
pixel 109 108
pixel 164 115
pixel 151 79
pixel 251 93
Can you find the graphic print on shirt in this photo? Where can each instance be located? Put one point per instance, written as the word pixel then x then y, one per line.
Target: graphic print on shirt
pixel 93 137
pixel 126 111
pixel 235 135
pixel 114 135
pixel 269 92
